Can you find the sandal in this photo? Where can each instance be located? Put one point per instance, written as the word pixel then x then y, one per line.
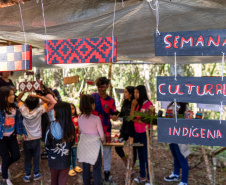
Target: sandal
pixel 138 180
pixel 72 173
pixel 78 169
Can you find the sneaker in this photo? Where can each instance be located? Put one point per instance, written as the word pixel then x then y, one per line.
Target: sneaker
pixel 8 182
pixel 27 178
pixel 107 176
pixel 37 176
pixel 138 180
pixel 181 183
pixel 172 177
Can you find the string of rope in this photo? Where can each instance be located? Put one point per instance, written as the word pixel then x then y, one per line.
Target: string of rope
pixel 21 16
pixel 175 104
pixel 44 22
pixel 223 66
pixel 156 9
pixel 113 27
pixel 175 65
pixel 221 110
pixel 123 4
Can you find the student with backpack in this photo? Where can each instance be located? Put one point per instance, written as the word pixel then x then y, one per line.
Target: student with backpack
pixel 60 137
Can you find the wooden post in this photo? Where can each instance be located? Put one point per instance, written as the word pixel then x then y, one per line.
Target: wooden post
pixel 208 169
pixel 129 162
pixel 149 149
pixel 109 77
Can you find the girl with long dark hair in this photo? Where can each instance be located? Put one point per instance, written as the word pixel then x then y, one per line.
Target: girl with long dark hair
pixel 90 148
pixel 11 123
pixel 141 103
pixel 60 137
pixel 127 129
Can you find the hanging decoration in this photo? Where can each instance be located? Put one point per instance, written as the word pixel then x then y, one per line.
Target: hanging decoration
pixel 16 58
pixel 30 86
pixel 89 50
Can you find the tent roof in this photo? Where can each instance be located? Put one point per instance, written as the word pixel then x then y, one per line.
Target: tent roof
pixel 134 24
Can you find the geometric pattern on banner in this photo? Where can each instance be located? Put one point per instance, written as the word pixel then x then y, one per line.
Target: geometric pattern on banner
pixel 12 58
pixel 89 50
pixel 30 86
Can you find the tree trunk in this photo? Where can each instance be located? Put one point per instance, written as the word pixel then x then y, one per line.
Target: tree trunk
pixel 147 79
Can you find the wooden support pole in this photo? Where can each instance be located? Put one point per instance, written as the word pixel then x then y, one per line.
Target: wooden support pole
pixel 149 149
pixel 208 169
pixel 129 162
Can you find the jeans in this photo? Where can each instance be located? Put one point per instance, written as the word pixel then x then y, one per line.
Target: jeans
pixel 179 162
pixel 73 157
pixel 32 150
pixel 9 151
pixel 107 158
pixel 96 172
pixel 142 153
pixel 120 152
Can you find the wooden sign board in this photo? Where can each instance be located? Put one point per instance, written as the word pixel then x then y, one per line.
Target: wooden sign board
pixel 192 131
pixel 16 58
pixel 70 80
pixel 119 91
pixel 90 82
pixel 206 90
pixel 88 50
pixel 30 86
pixel 191 43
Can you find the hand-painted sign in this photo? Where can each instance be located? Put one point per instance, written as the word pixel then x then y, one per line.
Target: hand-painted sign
pixel 192 131
pixel 72 79
pixel 16 58
pixel 206 90
pixel 191 43
pixel 89 50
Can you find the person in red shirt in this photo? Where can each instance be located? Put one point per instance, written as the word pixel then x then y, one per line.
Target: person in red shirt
pixel 73 167
pixel 105 108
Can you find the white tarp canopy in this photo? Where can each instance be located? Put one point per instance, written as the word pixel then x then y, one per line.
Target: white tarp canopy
pixel 135 24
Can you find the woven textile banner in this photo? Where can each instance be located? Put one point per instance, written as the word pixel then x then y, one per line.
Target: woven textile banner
pixel 89 50
pixel 30 86
pixel 16 58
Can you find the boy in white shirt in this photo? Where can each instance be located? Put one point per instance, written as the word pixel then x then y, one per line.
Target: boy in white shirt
pixel 32 112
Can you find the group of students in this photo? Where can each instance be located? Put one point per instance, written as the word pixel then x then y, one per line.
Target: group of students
pixel 93 125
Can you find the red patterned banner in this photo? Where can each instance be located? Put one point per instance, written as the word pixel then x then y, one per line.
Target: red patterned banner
pixel 16 58
pixel 89 50
pixel 30 86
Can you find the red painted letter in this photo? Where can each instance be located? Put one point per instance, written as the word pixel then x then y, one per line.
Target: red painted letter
pixel 186 41
pixel 200 40
pixel 175 41
pixel 202 134
pixel 160 90
pixel 208 90
pixel 168 43
pixel 219 89
pixel 212 41
pixel 189 88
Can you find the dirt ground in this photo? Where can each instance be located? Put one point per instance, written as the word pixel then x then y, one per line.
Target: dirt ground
pixel 163 165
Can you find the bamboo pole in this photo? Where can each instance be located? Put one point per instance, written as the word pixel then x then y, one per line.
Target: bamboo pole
pixel 208 169
pixel 149 149
pixel 129 163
